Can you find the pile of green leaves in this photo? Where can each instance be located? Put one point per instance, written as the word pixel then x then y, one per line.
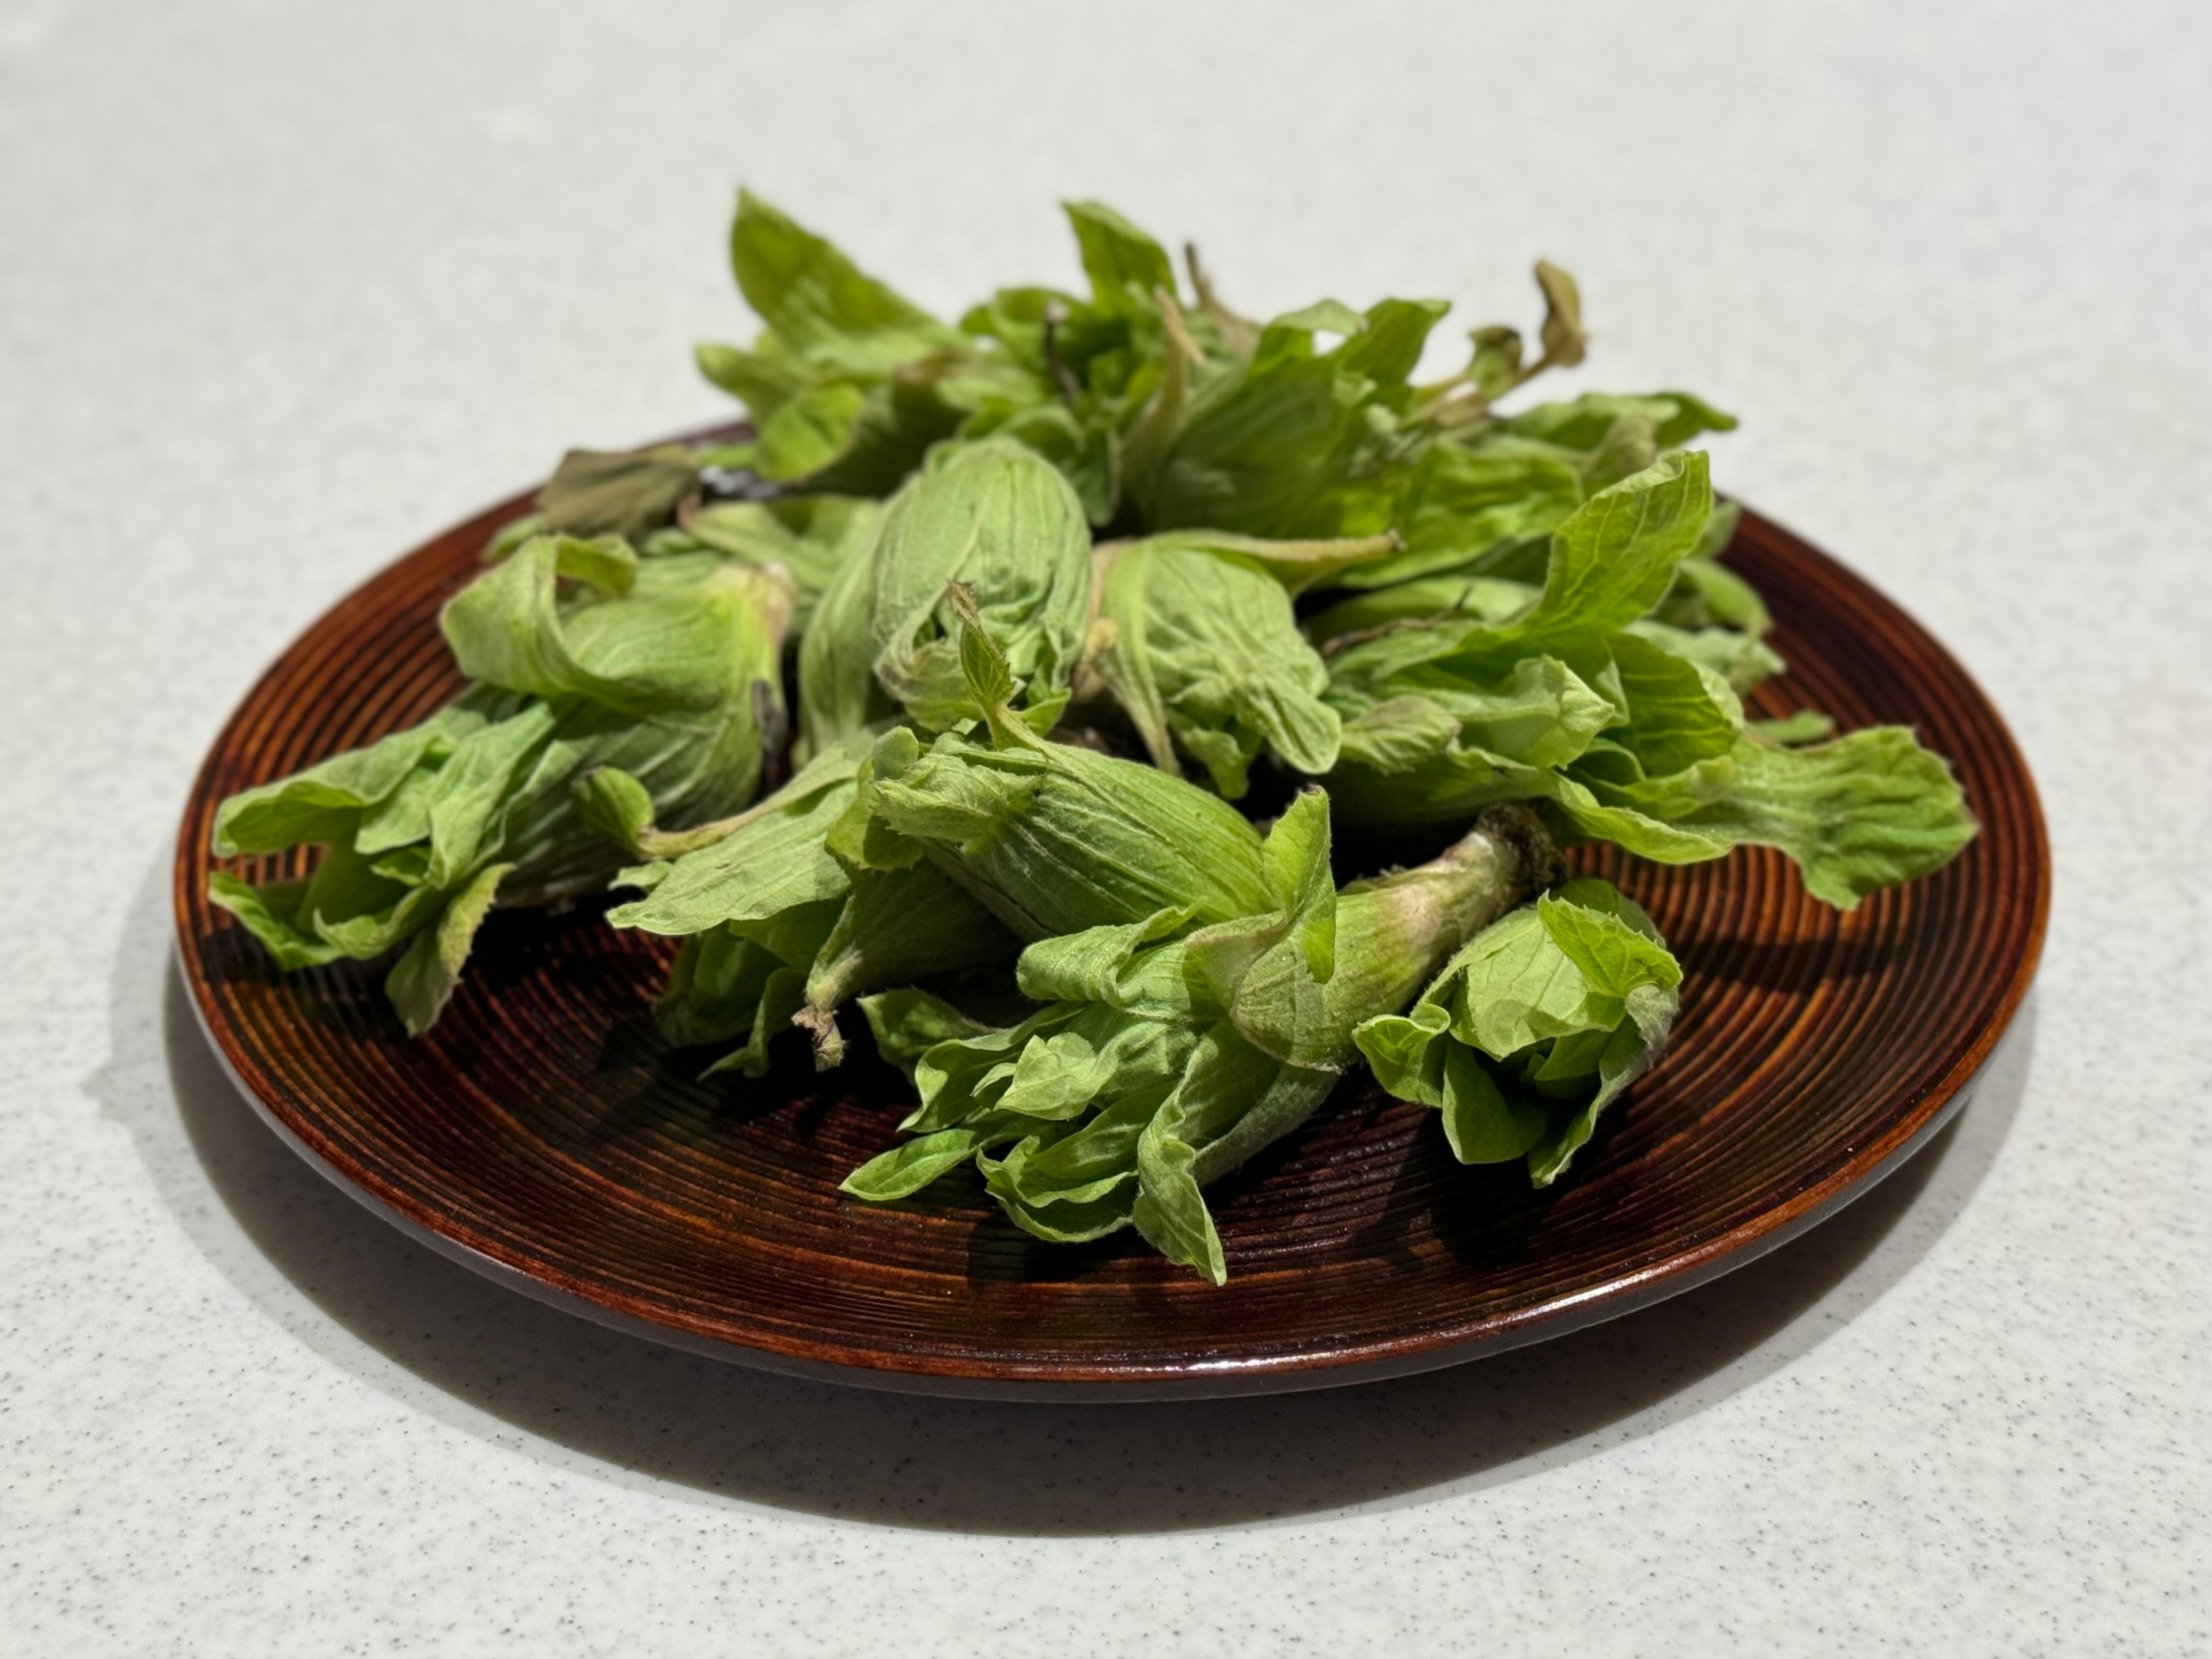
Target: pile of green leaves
pixel 583 656
pixel 1070 581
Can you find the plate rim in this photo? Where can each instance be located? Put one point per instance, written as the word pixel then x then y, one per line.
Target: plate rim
pixel 1249 1379
pixel 1007 1378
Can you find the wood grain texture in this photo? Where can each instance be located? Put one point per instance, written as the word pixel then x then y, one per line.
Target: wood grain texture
pixel 543 1133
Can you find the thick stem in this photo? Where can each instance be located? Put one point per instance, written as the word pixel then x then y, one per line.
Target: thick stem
pixel 1392 935
pixel 1395 932
pixel 652 843
pixel 1178 331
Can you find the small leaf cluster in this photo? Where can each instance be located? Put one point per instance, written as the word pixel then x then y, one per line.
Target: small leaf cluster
pixel 584 660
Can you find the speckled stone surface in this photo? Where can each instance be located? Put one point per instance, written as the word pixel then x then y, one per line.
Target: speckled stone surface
pixel 283 289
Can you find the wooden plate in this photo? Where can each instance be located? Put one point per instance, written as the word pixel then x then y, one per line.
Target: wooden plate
pixel 543 1135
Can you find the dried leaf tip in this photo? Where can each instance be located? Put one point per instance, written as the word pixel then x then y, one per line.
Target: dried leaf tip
pixel 1565 340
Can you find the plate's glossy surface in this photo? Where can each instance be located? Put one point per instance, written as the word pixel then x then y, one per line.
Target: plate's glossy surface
pixel 544 1135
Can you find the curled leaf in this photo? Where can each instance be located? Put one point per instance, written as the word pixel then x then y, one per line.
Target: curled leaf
pixel 1202 650
pixel 1564 344
pixel 1534 1028
pixel 993 518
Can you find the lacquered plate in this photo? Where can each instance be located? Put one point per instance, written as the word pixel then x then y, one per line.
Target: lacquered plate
pixel 544 1135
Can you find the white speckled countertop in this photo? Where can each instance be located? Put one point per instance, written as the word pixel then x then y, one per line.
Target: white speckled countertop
pixel 284 289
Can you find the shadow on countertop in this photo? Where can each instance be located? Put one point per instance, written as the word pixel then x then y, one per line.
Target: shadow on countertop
pixel 491 1361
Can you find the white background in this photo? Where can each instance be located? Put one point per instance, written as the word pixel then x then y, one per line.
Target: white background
pixel 284 289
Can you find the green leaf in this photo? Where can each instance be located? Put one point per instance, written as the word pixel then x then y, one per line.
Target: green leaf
pixel 779 879
pixel 1585 422
pixel 909 1167
pixel 764 379
pixel 1806 725
pixel 851 385
pixel 1720 532
pixel 1870 810
pixel 1404 764
pixel 1740 660
pixel 984 670
pixel 1296 565
pixel 1611 562
pixel 1060 1074
pixel 617 805
pixel 838 697
pixel 422 981
pixel 773 862
pixel 1463 505
pixel 1613 776
pixel 1126 266
pixel 1170 1211
pixel 1540 714
pixel 1607 564
pixel 1087 452
pixel 1273 972
pixel 714 989
pixel 780 1000
pixel 1299 444
pixel 691 638
pixel 744 982
pixel 908 1023
pixel 1399 734
pixel 1415 1058
pixel 1867 812
pixel 270 914
pixel 1070 1184
pixel 1608 937
pixel 816 299
pixel 1296 856
pixel 1678 715
pixel 992 517
pixel 1017 318
pixel 1004 525
pixel 1113 965
pixel 322 804
pixel 1440 605
pixel 1534 1028
pixel 1494 368
pixel 811 537
pixel 1201 646
pixel 1054 839
pixel 961 1081
pixel 1707 593
pixel 363 906
pixel 818 426
pixel 859 838
pixel 596 493
pixel 896 927
pixel 473 788
pixel 505 629
pixel 1534 691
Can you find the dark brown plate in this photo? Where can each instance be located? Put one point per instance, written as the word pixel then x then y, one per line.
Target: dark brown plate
pixel 543 1135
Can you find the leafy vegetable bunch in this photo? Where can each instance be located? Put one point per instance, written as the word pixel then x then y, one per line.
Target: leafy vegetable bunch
pixel 1062 585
